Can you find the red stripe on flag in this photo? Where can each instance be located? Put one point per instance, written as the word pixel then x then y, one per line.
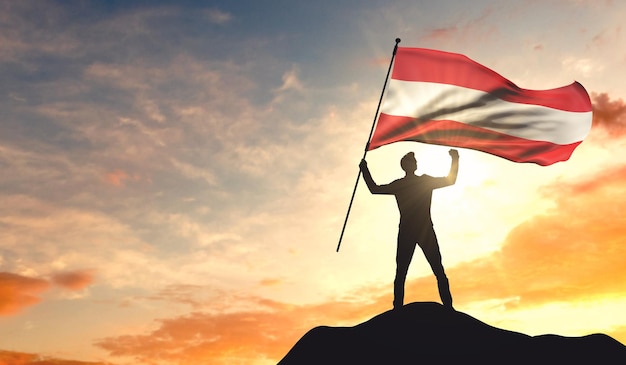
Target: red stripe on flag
pixel 426 65
pixel 450 133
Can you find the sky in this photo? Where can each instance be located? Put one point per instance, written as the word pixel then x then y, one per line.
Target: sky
pixel 175 176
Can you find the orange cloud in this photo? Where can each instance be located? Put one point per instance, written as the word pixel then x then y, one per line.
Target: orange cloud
pixel 182 294
pixel 116 178
pixel 266 333
pixel 609 114
pixel 18 292
pixel 439 34
pixel 73 280
pixel 380 61
pixel 119 178
pixel 463 30
pixel 270 282
pixel 21 358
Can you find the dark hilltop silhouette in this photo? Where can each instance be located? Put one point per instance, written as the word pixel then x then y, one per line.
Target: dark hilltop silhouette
pixel 429 333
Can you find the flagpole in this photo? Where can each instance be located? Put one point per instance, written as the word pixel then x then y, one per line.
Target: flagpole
pixel 358 176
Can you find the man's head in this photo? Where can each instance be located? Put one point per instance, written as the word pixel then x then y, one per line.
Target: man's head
pixel 409 163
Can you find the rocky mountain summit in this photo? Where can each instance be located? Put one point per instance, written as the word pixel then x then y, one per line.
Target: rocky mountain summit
pixel 430 333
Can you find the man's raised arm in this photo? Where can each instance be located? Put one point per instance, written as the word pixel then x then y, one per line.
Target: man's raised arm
pixel 371 185
pixel 454 167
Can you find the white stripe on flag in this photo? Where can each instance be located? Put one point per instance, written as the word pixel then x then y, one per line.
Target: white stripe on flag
pixel 434 101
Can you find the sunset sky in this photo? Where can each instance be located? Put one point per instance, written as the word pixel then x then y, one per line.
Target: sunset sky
pixel 175 176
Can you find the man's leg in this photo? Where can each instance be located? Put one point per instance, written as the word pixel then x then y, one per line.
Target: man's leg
pixel 430 246
pixel 404 254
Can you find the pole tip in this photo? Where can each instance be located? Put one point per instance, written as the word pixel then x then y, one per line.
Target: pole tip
pixel 397 40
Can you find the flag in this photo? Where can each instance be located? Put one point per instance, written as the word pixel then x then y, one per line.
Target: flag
pixel 448 99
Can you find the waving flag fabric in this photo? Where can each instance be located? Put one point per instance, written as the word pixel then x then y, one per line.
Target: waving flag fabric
pixel 448 99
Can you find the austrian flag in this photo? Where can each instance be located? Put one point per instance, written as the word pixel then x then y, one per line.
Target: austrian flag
pixel 448 99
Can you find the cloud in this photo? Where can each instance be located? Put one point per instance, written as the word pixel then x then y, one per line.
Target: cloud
pixel 255 336
pixel 23 358
pixel 463 30
pixel 607 37
pixel 439 34
pixel 193 127
pixel 194 172
pixel 116 177
pixel 73 280
pixel 608 114
pixel 40 237
pixel 18 292
pixel 193 295
pixel 270 281
pixel 586 67
pixel 18 40
pixel 291 81
pixel 217 16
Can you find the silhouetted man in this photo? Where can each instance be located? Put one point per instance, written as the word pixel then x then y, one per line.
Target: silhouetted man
pixel 414 194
